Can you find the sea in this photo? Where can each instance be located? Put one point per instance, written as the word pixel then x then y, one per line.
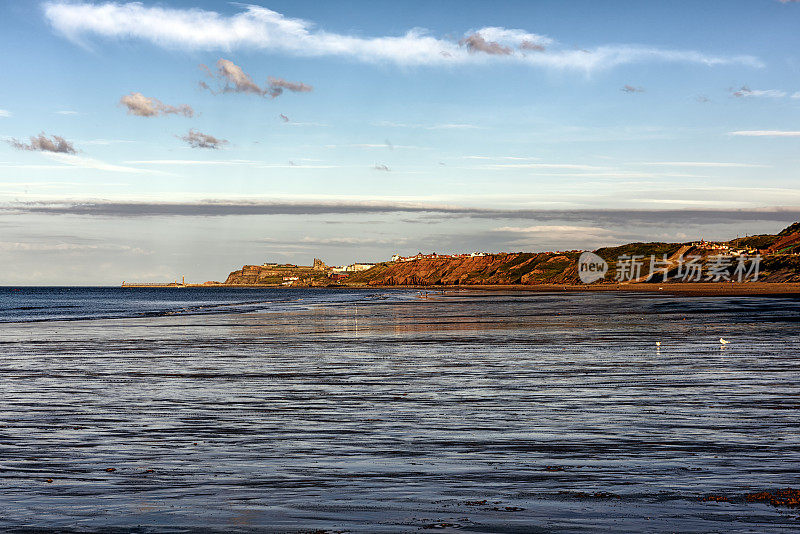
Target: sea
pixel 341 410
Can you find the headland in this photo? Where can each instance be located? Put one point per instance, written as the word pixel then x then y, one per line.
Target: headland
pixel 755 265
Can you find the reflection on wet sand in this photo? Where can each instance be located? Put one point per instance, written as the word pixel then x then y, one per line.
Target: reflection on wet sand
pixel 498 412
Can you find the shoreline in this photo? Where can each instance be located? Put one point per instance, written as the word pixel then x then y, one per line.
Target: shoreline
pixel 755 289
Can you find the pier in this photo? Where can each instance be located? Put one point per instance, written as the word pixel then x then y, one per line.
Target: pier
pixel 182 283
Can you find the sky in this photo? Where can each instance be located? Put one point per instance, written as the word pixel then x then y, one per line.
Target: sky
pixel 146 141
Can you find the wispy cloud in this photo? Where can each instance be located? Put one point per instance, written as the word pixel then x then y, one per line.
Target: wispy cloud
pixel 385 146
pixel 106 142
pixel 238 81
pixel 567 166
pixel 698 164
pixel 352 241
pixel 232 162
pixel 197 139
pixel 277 85
pixel 42 143
pixel 293 165
pixel 5 113
pixel 438 126
pixel 300 123
pixel 142 106
pixel 631 89
pixel 500 157
pixel 476 43
pixel 766 133
pixel 92 163
pixel 192 162
pixel 547 228
pixel 746 92
pixel 11 246
pixel 66 112
pixel 452 126
pixel 557 231
pixel 263 29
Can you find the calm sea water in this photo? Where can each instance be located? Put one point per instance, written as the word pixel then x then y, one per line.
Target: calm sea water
pixel 297 410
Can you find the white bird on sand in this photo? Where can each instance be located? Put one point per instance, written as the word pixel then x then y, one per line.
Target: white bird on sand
pixel 723 341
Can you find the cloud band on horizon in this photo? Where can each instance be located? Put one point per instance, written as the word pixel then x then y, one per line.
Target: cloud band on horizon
pixel 241 208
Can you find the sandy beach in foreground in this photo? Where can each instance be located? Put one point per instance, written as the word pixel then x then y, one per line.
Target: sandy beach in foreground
pixel 253 410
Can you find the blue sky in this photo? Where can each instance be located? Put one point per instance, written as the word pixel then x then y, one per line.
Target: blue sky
pixel 433 126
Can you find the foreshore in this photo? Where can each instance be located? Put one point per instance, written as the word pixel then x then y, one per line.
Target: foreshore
pixel 618 409
pixel 754 289
pixel 700 289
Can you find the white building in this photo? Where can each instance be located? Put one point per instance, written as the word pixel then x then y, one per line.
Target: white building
pixel 358 267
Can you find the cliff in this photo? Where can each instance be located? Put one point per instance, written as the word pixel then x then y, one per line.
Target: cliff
pixel 276 275
pixel 780 263
pixel 492 269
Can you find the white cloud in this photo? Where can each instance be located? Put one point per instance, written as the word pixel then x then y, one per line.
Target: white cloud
pixel 512 37
pixel 500 157
pixel 549 229
pixel 260 28
pixel 699 164
pixel 352 240
pixel 441 126
pixel 58 185
pixel 5 113
pixel 191 162
pixel 143 106
pixel 766 133
pixel 234 162
pixel 105 142
pixel 387 146
pixel 453 127
pixel 11 246
pixel 91 163
pixel 292 165
pixel 6 165
pixel 294 123
pixel 746 92
pixel 569 166
pixel 66 112
pixel 770 93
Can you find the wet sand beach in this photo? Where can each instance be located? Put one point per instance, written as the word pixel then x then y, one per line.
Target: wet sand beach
pixel 378 411
pixel 708 289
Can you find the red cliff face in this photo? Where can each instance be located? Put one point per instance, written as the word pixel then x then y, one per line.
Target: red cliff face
pixel 492 269
pixel 785 243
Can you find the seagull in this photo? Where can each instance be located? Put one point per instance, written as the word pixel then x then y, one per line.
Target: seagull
pixel 723 341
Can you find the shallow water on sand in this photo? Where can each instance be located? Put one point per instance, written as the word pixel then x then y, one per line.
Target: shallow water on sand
pixel 380 411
